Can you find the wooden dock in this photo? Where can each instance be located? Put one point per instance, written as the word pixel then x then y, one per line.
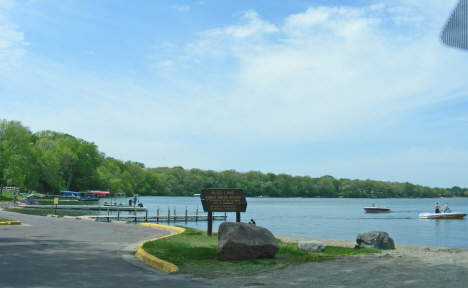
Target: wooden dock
pixel 131 216
pixel 148 218
pixel 87 207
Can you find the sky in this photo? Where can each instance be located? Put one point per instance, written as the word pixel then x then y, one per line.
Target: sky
pixel 352 89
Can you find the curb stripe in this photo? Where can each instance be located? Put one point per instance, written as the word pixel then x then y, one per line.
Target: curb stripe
pixel 155 261
pixel 10 223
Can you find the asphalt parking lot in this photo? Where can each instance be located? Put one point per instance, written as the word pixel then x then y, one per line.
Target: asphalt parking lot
pixel 60 252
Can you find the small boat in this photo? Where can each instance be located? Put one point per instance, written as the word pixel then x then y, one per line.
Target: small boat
pixel 376 209
pixel 89 199
pixel 91 195
pixel 442 215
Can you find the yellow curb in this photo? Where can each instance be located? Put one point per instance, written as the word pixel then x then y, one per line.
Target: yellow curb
pixel 10 223
pixel 155 261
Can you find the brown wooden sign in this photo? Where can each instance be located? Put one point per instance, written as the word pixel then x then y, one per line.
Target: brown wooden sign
pixel 223 200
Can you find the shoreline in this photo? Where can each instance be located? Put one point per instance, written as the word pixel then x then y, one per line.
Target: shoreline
pixel 327 242
pixel 406 266
pixel 427 254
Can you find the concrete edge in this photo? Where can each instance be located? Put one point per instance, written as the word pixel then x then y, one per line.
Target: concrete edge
pixel 10 223
pixel 152 260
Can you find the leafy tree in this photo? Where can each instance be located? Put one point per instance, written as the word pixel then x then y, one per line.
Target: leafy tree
pixel 50 161
pixel 18 157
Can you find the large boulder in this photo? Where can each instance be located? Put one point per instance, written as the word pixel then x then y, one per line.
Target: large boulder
pixel 311 246
pixel 241 241
pixel 375 239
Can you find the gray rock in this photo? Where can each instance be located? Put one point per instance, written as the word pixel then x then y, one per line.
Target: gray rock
pixel 241 241
pixel 311 246
pixel 375 239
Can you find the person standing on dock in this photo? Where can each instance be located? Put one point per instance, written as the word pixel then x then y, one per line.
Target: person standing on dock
pixel 134 200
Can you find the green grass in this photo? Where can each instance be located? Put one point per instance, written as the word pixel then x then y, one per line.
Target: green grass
pixel 8 197
pixel 195 253
pixel 5 220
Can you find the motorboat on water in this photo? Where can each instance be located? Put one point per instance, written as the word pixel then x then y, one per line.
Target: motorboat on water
pixel 91 195
pixel 442 215
pixel 374 209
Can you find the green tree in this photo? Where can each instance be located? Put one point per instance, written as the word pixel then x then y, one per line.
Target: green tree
pixel 18 156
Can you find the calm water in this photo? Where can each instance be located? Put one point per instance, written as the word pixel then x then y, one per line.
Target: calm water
pixel 329 218
pixel 333 218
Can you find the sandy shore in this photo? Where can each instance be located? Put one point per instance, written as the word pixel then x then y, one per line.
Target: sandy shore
pixel 406 266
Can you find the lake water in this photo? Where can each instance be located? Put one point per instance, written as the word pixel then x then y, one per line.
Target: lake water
pixel 328 218
pixel 333 218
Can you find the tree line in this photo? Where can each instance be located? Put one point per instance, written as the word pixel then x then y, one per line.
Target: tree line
pixel 48 161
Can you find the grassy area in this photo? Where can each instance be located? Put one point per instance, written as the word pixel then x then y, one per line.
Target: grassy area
pixel 5 220
pixel 195 253
pixel 8 197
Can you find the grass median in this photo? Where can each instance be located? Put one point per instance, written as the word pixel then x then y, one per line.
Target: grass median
pixel 193 252
pixel 6 220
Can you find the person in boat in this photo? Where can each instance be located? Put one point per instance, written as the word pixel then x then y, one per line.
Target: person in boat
pixel 373 205
pixel 446 208
pixel 437 208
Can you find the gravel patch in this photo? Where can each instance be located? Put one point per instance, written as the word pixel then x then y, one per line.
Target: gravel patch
pixel 406 266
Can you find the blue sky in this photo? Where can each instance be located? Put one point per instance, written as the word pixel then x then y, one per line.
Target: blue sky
pixel 352 89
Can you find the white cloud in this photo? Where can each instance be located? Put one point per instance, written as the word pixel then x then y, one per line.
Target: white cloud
pixel 327 75
pixel 333 69
pixel 165 64
pixel 181 7
pixel 12 43
pixel 254 26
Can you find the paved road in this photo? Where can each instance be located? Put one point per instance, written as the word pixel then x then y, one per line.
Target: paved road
pixel 59 252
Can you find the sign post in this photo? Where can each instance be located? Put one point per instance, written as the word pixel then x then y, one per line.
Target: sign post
pixel 56 203
pixel 222 200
